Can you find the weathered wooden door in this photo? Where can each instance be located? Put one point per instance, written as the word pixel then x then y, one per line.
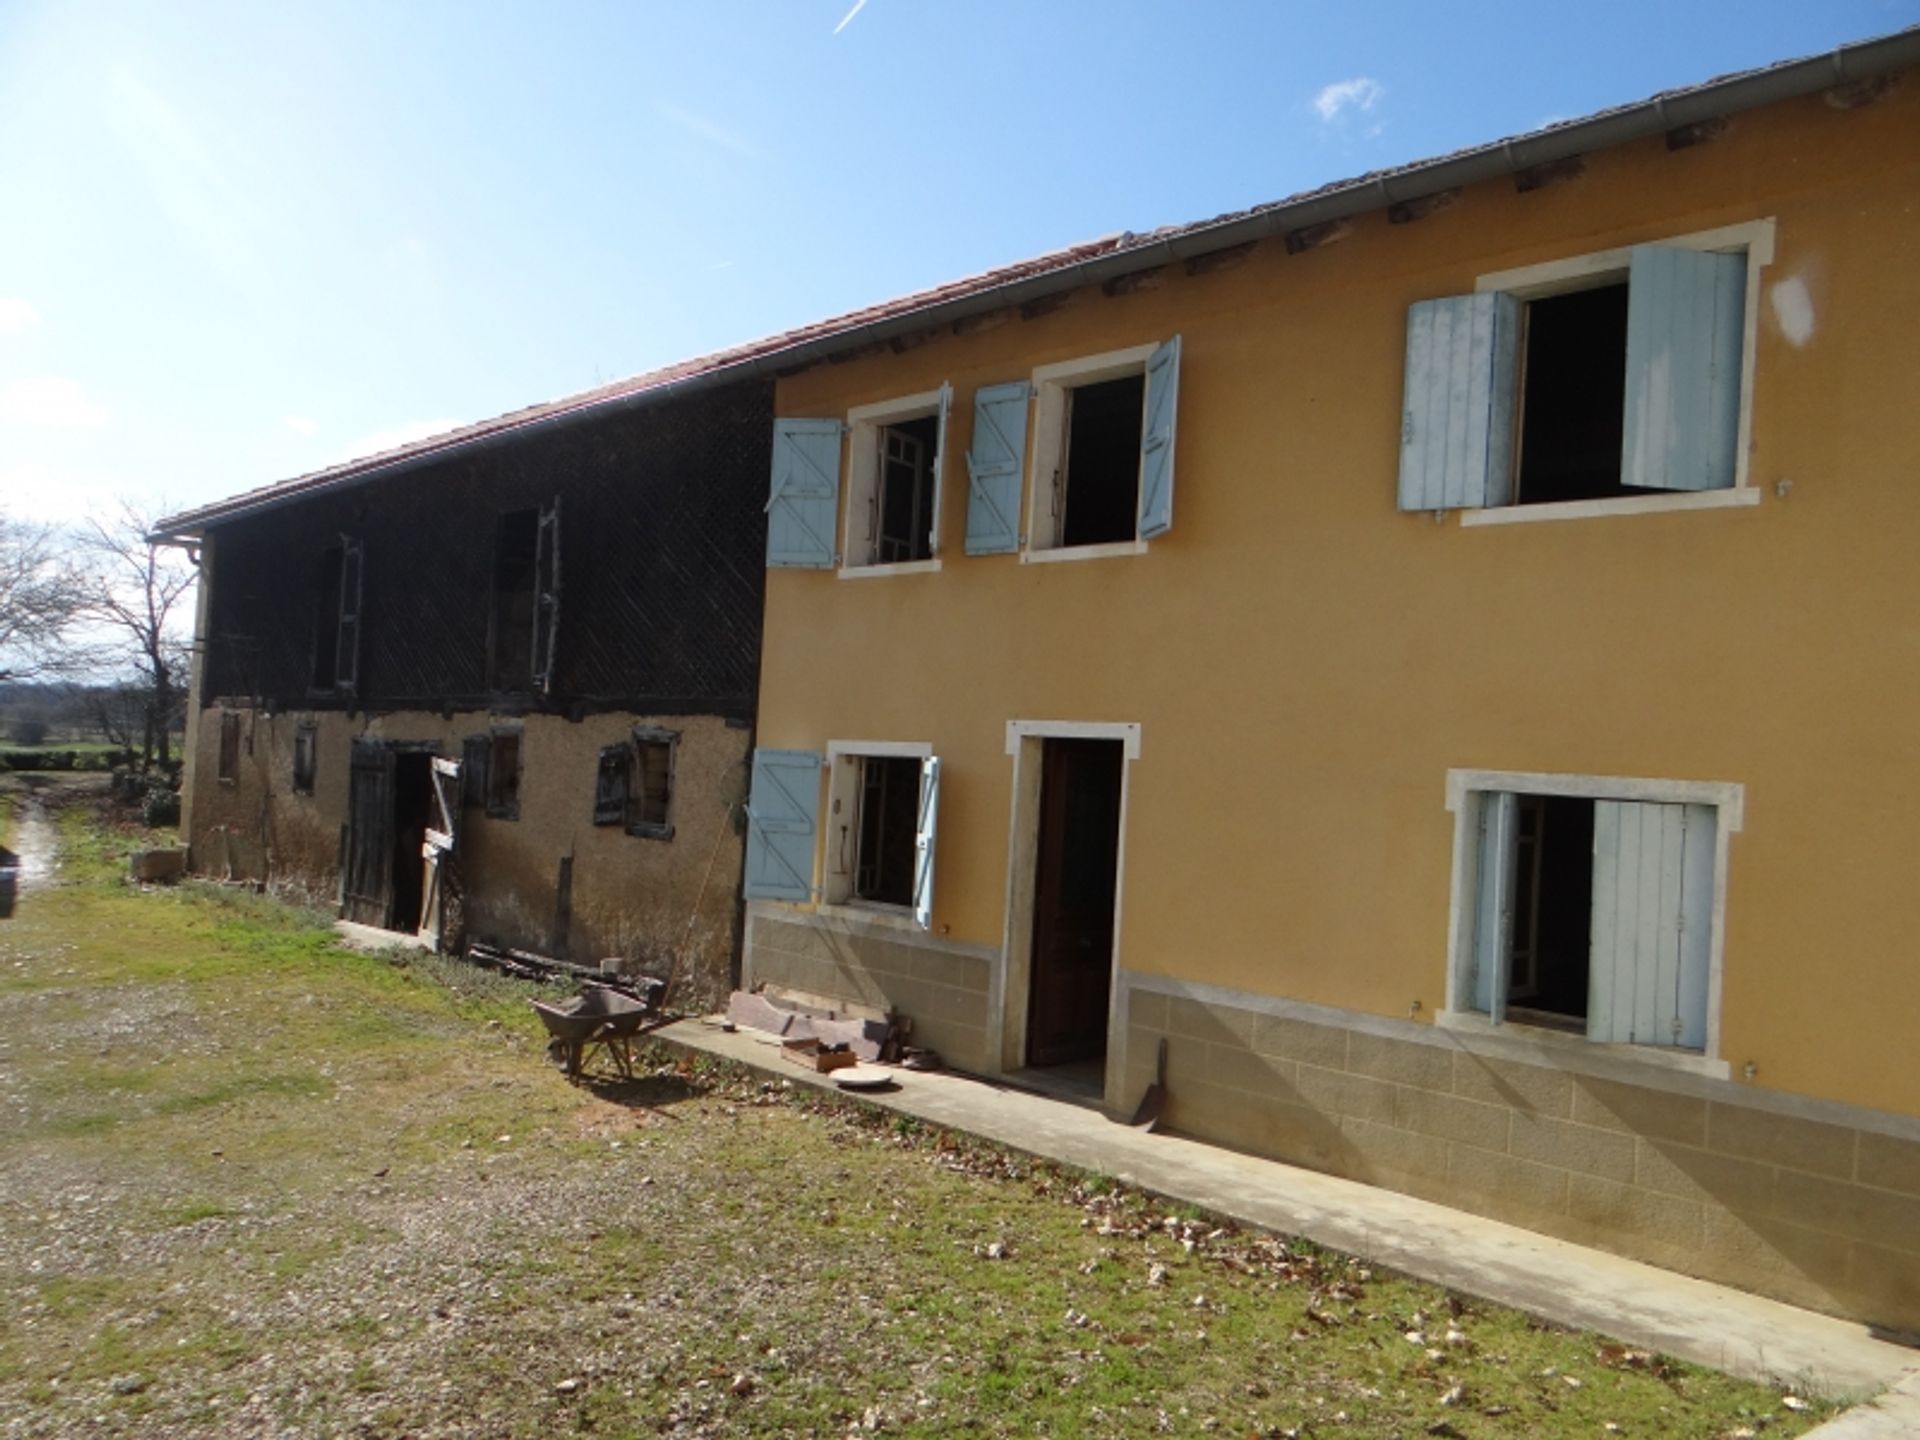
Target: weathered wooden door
pixel 366 871
pixel 1073 900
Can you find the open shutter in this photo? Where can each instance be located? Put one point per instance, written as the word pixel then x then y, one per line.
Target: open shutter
pixel 1493 906
pixel 1156 440
pixel 923 837
pixel 1652 923
pixel 1456 419
pixel 612 784
pixel 346 664
pixel 996 465
pixel 474 753
pixel 442 841
pixel 546 596
pixel 783 815
pixel 1686 329
pixel 806 494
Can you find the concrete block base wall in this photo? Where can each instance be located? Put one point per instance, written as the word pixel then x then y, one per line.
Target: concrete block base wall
pixel 1709 1177
pixel 940 986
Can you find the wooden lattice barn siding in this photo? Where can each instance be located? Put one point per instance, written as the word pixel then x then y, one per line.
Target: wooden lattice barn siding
pixel 663 540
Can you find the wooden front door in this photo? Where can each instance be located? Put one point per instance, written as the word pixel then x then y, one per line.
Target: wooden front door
pixel 366 859
pixel 1073 899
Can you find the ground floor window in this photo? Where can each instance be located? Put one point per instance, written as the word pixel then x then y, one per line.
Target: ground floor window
pixel 882 811
pixel 305 743
pixel 1593 914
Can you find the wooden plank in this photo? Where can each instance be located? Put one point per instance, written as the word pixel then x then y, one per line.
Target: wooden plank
pixel 1220 259
pixel 1312 237
pixel 1551 172
pixel 1404 212
pixel 1700 132
pixel 1643 821
pixel 1603 1001
pixel 1669 821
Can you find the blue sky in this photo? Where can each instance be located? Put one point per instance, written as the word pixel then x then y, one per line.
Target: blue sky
pixel 242 241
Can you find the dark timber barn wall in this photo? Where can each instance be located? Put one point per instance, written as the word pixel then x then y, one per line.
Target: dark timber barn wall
pixel 662 563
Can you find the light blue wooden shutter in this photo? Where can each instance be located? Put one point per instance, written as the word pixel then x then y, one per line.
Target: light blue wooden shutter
pixel 1686 329
pixel 804 504
pixel 923 837
pixel 1156 440
pixel 996 465
pixel 1493 903
pixel 1652 923
pixel 783 814
pixel 1456 422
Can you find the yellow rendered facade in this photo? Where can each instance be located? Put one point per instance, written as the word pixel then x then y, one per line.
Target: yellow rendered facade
pixel 1307 664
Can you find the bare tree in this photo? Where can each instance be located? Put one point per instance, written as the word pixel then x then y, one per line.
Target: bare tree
pixel 137 593
pixel 41 597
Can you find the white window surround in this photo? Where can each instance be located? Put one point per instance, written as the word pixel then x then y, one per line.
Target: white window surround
pixel 1050 386
pixel 843 803
pixel 1463 789
pixel 864 424
pixel 1580 272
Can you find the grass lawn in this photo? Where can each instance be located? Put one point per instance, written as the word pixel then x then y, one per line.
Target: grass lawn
pixel 254 1184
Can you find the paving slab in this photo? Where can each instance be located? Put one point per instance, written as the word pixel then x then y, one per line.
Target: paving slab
pixel 1573 1285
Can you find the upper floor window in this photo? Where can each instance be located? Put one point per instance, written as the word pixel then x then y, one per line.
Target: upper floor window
pixel 338 584
pixel 1103 450
pixel 895 456
pixel 1621 376
pixel 524 622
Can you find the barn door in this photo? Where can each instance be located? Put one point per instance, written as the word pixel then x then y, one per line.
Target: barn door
pixel 440 848
pixel 366 876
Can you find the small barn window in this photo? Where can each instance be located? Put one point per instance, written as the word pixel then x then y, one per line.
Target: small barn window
pixel 475 751
pixel 611 784
pixel 650 798
pixel 305 741
pixel 229 747
pixel 503 774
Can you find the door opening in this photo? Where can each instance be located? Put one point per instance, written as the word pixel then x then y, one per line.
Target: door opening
pixel 389 805
pixel 1075 886
pixel 412 808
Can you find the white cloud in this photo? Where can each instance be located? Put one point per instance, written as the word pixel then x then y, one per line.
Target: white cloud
pixel 705 129
pixel 1361 94
pixel 399 435
pixel 17 315
pixel 50 402
pixel 299 424
pixel 847 19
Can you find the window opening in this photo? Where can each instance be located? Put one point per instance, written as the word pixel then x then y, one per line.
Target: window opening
pixel 1595 916
pixel 903 526
pixel 611 783
pixel 889 814
pixel 1097 485
pixel 229 747
pixel 326 618
pixel 516 545
pixel 305 739
pixel 650 794
pixel 1550 949
pixel 503 775
pixel 1573 397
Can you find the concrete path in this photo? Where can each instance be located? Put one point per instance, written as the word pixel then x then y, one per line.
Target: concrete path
pixel 1639 1304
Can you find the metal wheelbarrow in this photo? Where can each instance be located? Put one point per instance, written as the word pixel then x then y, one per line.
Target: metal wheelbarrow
pixel 597 1017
